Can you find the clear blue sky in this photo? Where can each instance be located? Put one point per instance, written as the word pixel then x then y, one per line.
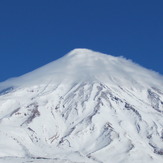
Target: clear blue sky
pixel 36 32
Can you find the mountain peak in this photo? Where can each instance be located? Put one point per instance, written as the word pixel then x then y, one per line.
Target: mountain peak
pixel 87 65
pixel 78 51
pixel 85 53
pixel 82 107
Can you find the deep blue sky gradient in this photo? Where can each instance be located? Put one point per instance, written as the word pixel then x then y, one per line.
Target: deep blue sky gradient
pixel 36 32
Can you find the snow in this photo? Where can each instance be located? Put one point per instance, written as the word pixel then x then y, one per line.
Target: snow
pixel 84 64
pixel 85 107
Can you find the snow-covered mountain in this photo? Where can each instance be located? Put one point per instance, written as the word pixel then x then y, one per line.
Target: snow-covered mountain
pixel 86 107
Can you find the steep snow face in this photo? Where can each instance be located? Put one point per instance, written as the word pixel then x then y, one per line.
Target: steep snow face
pixel 85 107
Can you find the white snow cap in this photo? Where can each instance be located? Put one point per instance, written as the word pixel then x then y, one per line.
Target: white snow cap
pixel 85 107
pixel 88 65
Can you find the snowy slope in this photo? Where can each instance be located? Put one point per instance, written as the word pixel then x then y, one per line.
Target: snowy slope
pixel 85 107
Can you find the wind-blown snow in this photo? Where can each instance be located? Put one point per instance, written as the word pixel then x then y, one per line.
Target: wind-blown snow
pixel 84 64
pixel 84 107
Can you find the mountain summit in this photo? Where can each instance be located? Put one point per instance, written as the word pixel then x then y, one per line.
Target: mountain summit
pixel 86 107
pixel 85 64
